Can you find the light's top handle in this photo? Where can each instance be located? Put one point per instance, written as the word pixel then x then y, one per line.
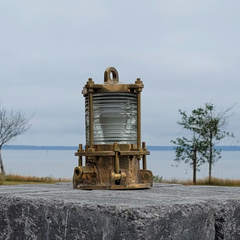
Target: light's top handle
pixel 111 75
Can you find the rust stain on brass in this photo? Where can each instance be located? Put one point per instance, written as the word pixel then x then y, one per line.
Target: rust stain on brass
pixel 114 155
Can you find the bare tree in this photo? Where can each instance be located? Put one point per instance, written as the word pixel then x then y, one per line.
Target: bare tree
pixel 12 124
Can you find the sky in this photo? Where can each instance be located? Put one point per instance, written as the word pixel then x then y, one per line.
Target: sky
pixel 187 53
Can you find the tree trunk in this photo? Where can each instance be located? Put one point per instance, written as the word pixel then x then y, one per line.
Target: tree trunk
pixel 210 172
pixel 210 161
pixel 1 163
pixel 194 167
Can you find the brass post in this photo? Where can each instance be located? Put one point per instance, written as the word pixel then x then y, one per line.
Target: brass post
pixel 138 119
pixel 80 161
pixel 80 157
pixel 116 160
pixel 117 163
pixel 90 107
pixel 144 156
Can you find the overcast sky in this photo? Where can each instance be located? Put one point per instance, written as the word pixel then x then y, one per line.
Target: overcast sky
pixel 186 53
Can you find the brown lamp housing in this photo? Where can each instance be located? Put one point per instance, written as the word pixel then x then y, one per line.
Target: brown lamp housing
pixel 113 149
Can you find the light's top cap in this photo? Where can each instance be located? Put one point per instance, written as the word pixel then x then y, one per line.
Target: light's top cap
pixel 112 84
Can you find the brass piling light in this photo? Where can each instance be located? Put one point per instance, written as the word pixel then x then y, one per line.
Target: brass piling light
pixel 113 149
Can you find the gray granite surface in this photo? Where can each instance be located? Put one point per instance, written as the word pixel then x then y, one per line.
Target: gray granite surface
pixel 163 212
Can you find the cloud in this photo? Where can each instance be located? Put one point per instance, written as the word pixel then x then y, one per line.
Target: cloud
pixel 186 53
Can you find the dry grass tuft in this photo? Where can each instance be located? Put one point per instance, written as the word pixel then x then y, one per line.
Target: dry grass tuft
pixel 19 179
pixel 220 182
pixel 205 181
pixel 2 178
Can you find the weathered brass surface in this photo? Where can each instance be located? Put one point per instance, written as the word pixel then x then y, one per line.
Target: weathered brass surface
pixel 115 165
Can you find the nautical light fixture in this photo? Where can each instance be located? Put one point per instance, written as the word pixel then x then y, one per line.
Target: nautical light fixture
pixel 113 149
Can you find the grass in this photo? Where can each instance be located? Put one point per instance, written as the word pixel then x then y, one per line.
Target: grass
pixel 214 181
pixel 12 179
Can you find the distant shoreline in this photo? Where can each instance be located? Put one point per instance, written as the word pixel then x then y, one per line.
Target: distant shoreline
pixel 150 148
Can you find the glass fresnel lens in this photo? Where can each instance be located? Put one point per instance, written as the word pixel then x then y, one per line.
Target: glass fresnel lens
pixel 113 149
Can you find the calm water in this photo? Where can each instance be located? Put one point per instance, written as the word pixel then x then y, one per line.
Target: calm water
pixel 60 163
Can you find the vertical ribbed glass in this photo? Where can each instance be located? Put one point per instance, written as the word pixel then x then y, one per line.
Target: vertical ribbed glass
pixel 114 118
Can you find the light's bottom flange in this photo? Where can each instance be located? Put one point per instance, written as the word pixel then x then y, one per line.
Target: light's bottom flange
pixel 113 166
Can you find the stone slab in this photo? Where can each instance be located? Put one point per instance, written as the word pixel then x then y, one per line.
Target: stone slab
pixel 166 211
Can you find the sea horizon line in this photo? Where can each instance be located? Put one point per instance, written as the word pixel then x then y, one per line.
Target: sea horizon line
pixel 150 147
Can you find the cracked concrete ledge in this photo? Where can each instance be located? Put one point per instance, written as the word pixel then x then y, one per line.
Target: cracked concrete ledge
pixel 173 212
